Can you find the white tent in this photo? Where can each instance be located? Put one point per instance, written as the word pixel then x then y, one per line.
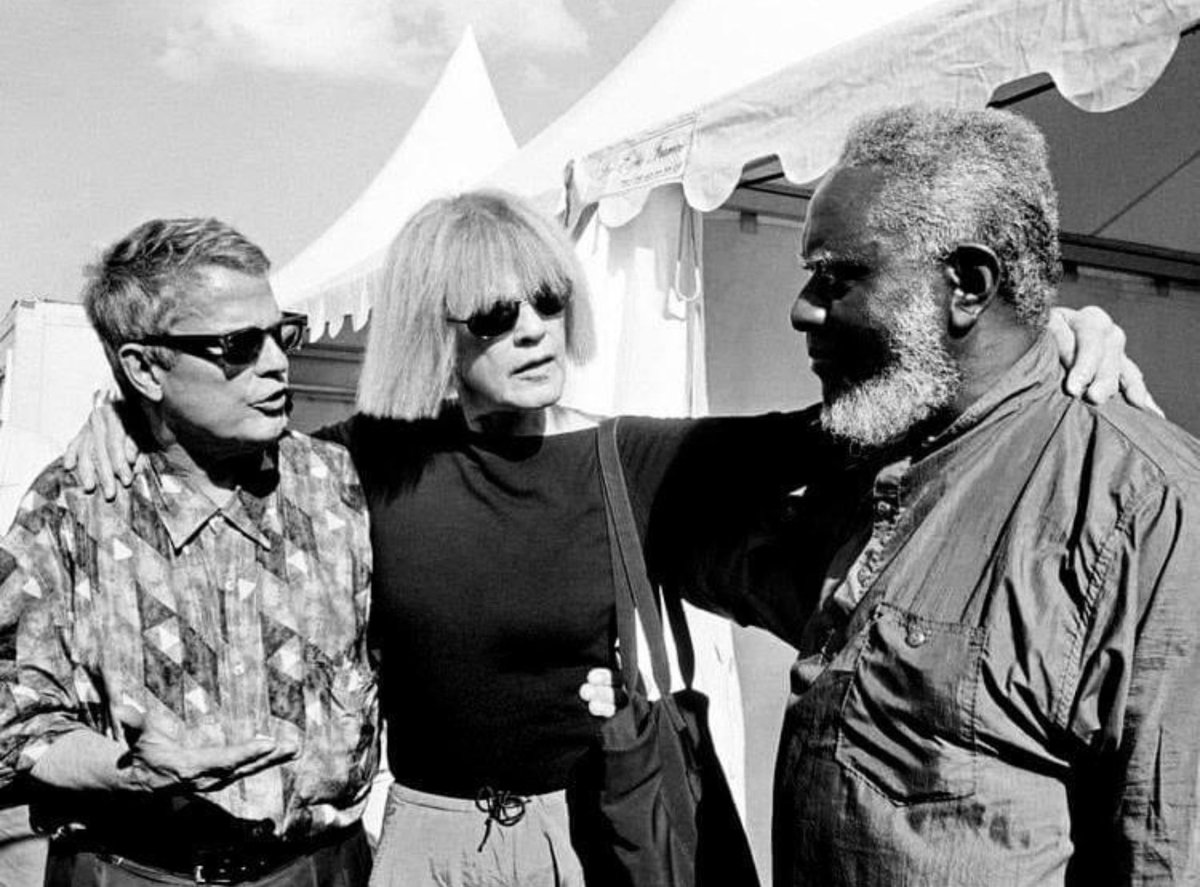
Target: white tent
pixel 459 136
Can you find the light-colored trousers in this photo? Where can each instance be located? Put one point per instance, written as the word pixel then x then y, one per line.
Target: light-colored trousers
pixel 434 841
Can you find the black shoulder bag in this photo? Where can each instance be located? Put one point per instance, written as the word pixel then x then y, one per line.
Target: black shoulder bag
pixel 652 807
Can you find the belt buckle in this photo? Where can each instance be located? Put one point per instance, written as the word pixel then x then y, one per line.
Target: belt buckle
pixel 237 863
pixel 202 873
pixel 225 871
pixel 199 875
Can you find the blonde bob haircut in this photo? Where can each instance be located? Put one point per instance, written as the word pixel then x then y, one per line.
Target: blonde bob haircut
pixel 456 256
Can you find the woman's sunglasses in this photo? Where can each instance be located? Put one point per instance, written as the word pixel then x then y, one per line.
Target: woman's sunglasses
pixel 235 351
pixel 501 317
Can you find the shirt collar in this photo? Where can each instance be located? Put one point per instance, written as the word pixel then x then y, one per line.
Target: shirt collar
pixel 1032 375
pixel 184 510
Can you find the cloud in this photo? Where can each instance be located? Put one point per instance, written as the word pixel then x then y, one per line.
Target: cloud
pixel 394 40
pixel 517 25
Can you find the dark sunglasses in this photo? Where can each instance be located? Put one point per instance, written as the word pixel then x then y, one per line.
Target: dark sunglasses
pixel 502 316
pixel 235 351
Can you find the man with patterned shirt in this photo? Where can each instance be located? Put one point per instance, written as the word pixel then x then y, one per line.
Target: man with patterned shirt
pixel 184 681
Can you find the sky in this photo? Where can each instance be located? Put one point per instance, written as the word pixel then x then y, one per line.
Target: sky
pixel 270 114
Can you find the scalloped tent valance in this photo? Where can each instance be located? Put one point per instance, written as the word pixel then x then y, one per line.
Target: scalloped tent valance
pixel 1101 54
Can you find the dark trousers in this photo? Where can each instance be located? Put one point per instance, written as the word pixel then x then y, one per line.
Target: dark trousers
pixel 345 863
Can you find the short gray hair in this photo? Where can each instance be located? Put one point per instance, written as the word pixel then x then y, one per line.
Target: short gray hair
pixel 135 289
pixel 981 176
pixel 456 256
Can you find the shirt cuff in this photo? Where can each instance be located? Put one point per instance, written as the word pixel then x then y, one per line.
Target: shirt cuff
pixel 83 760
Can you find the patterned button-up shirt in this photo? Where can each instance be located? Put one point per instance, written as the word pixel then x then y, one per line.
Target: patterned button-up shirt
pixel 234 621
pixel 999 654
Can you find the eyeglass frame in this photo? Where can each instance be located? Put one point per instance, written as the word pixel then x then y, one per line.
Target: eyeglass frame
pixel 514 305
pixel 201 344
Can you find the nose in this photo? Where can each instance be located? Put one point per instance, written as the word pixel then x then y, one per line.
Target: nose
pixel 272 360
pixel 531 326
pixel 808 313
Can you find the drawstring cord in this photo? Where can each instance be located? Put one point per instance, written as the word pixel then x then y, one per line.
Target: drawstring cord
pixel 500 806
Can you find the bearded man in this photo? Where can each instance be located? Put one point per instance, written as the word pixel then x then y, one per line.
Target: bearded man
pixel 992 586
pixel 997 685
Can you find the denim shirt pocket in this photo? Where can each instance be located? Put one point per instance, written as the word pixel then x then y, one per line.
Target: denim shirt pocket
pixel 907 723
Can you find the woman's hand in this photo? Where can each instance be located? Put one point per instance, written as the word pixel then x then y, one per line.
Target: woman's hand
pixel 1092 348
pixel 599 694
pixel 102 452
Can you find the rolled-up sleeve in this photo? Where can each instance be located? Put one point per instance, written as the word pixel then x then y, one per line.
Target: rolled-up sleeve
pixel 1137 710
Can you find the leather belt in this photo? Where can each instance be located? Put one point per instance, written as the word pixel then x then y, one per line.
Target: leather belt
pixel 223 864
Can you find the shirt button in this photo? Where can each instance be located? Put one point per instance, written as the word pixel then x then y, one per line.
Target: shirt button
pixel 239 669
pixel 915 637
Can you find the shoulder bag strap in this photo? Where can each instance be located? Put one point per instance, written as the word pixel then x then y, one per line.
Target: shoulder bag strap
pixel 629 574
pixel 684 651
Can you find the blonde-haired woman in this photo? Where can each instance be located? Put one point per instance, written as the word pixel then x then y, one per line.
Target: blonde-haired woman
pixel 493 582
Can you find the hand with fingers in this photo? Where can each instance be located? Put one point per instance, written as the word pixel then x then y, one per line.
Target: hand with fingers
pixel 1092 348
pixel 103 453
pixel 598 692
pixel 158 761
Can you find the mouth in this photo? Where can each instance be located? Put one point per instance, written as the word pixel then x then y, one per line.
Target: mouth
pixel 273 404
pixel 820 355
pixel 533 367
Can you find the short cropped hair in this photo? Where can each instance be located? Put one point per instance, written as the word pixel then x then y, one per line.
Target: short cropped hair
pixel 456 256
pixel 135 290
pixel 954 176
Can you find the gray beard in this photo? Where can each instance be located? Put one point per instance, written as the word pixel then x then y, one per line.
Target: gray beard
pixel 920 380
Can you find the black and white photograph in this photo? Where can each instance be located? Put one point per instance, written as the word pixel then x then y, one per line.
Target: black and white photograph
pixel 599 443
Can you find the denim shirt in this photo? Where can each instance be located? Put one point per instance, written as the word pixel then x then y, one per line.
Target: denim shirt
pixel 999 682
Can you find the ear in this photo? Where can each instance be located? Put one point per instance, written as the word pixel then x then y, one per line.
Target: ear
pixel 141 371
pixel 974 272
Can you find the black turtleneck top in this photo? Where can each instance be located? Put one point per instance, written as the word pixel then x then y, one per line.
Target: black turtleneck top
pixel 493 592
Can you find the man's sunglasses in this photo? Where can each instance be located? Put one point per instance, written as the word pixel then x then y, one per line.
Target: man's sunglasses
pixel 501 317
pixel 235 351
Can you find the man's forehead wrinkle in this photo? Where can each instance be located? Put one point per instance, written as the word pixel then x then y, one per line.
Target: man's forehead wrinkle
pixel 844 238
